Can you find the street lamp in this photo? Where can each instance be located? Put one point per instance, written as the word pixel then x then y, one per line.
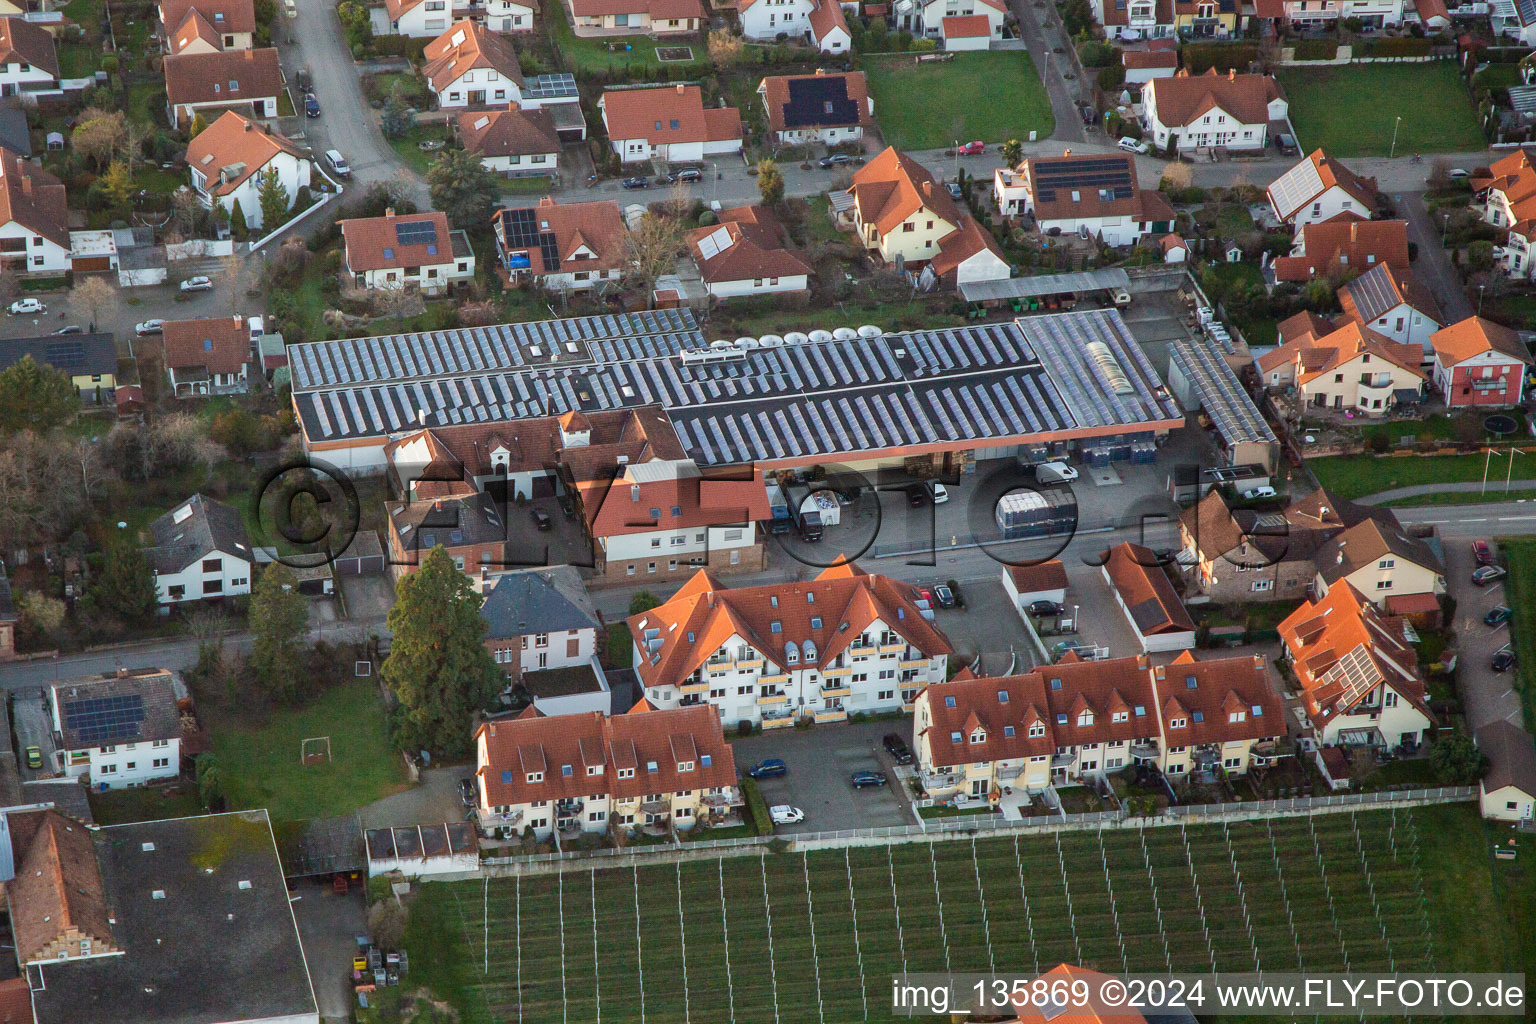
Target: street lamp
pixel 1480 298
pixel 1393 151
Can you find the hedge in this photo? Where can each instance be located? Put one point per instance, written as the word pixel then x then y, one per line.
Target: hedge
pixel 1201 57
pixel 757 807
pixel 1397 46
pixel 1316 49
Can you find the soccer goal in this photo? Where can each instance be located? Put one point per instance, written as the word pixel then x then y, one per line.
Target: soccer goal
pixel 315 750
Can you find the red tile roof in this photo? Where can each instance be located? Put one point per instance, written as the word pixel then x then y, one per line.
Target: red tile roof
pixel 579 228
pixel 26 43
pixel 195 27
pixel 1079 198
pixel 1314 356
pixel 825 18
pixel 1342 244
pixel 666 115
pixel 1144 587
pixel 749 243
pixel 1182 99
pixel 15 1001
pixel 204 78
pixel 373 243
pixel 651 742
pixel 1149 59
pixel 33 198
pixel 236 144
pixel 221 345
pixel 893 186
pixel 621 505
pixel 510 132
pixel 1032 579
pixel 657 10
pixel 1473 337
pixel 678 636
pixel 1222 700
pixel 966 26
pixel 1298 190
pixel 58 884
pixel 231 16
pixel 468 46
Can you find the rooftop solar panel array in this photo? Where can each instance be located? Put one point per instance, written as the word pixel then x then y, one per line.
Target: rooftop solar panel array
pixel 415 232
pixel 104 720
pixel 1220 393
pixel 963 384
pixel 1374 292
pixel 550 87
pixel 520 227
pixel 1085 175
pixel 1296 187
pixel 819 101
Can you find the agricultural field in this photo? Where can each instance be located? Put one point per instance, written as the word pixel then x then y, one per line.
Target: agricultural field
pixel 817 936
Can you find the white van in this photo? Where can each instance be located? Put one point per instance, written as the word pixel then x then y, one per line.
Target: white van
pixel 1055 473
pixel 338 163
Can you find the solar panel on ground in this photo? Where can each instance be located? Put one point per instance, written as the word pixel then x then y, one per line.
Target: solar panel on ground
pixel 416 232
pixel 97 720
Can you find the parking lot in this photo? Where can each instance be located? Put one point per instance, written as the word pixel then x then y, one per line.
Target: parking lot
pixel 1487 695
pixel 821 760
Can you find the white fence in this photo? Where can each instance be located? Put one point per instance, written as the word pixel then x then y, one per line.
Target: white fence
pixel 969 826
pixel 199 248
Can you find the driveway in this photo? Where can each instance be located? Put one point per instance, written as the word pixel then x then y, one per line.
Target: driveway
pixel 1433 267
pixel 433 801
pixel 820 760
pixel 34 728
pixel 328 927
pixel 347 123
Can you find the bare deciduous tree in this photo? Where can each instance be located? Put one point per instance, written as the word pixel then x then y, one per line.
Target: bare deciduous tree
pixel 651 250
pixel 94 297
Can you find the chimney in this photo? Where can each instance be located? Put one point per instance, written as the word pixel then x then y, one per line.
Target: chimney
pixel 1258 662
pixel 122 671
pixel 250 56
pixel 1142 661
pixel 389 211
pixel 437 504
pixel 1232 74
pixel 249 125
pixel 680 88
pixel 26 184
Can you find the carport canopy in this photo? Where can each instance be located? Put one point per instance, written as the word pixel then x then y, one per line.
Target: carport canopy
pixel 321 846
pixel 1048 284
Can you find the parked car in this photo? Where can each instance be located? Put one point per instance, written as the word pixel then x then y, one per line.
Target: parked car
pixel 1486 574
pixel 923 594
pixel 467 792
pixel 938 492
pixel 542 520
pixel 917 495
pixel 1498 616
pixel 685 174
pixel 772 768
pixel 835 160
pixel 1458 174
pixel 197 284
pixel 149 327
pixel 637 182
pixel 1503 661
pixel 1055 473
pixel 1042 608
pixel 1254 493
pixel 973 148
pixel 71 329
pixel 1131 145
pixel 21 306
pixel 944 596
pixel 338 163
pixel 34 757
pixel 1482 553
pixel 305 81
pixel 783 814
pixel 866 778
pixel 954 191
pixel 897 748
pixel 311 105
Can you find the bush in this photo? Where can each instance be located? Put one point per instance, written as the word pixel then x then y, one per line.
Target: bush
pixel 1201 57
pixel 757 807
pixel 924 45
pixel 1111 78
pixel 1316 49
pixel 1095 54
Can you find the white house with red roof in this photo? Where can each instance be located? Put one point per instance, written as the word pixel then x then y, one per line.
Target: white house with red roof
pixel 1343 367
pixel 415 250
pixel 634 17
pixel 930 21
pixel 1357 672
pixel 1478 362
pixel 1506 198
pixel 27 58
pixel 1076 721
pixel 563 247
pixel 1201 111
pixel 668 122
pixel 229 160
pixel 820 22
pixel 747 253
pixel 470 66
pixel 649 770
pixel 1320 188
pixel 842 643
pixel 34 219
pixel 424 19
pixel 1395 305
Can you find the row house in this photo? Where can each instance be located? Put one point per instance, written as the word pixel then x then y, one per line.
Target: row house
pixel 1343 367
pixel 846 642
pixel 1325 15
pixel 1357 671
pixel 1130 20
pixel 1479 363
pixel 1506 198
pixel 423 19
pixel 1062 724
pixel 649 770
pixel 1231 111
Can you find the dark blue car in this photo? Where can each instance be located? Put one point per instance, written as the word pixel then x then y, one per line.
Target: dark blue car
pixel 769 769
pixel 868 778
pixel 311 105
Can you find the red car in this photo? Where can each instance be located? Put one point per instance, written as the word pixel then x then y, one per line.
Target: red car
pixel 973 148
pixel 1482 553
pixel 924 594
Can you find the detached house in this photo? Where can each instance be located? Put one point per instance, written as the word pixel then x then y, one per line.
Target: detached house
pixel 133 749
pixel 1357 672
pixel 1375 557
pixel 819 22
pixel 1319 188
pixel 207 26
pixel 748 253
pixel 515 143
pixel 637 17
pixel 1348 367
pixel 669 123
pixel 845 642
pixel 1202 111
pixel 649 770
pixel 564 247
pixel 901 211
pixel 34 219
pixel 27 58
pixel 1138 19
pixel 411 250
pixel 470 66
pixel 1344 245
pixel 245 80
pixel 229 159
pixel 1478 362
pixel 928 18
pixel 88 360
pixel 1147 599
pixel 423 19
pixel 207 357
pixel 1077 721
pixel 1096 193
pixel 542 630
pixel 1395 305
pixel 1507 199
pixel 200 551
pixel 826 107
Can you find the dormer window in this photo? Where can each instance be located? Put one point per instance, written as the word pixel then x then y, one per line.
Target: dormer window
pixel 535 777
pixel 1036 730
pixel 1177 723
pixel 1085 718
pixel 1119 716
pixel 1238 716
pixel 979 736
pixel 685 766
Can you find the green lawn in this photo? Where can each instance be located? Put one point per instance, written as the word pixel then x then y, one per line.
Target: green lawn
pixel 1520 558
pixel 1462 498
pixel 992 96
pixel 1354 476
pixel 78 60
pixel 941 811
pixel 1351 111
pixel 146 102
pixel 412 154
pixel 816 936
pixel 1517 311
pixel 261 763
pixel 147 803
pixel 594 55
pixel 1440 427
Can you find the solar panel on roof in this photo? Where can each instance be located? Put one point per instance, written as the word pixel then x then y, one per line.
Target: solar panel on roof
pixel 64 355
pixel 416 232
pixel 101 720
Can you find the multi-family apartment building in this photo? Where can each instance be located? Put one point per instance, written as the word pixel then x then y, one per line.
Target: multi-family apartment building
pixel 1061 724
pixel 118 730
pixel 649 769
pixel 846 642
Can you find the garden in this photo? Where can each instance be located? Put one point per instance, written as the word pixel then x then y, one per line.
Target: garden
pixel 1353 110
pixel 992 96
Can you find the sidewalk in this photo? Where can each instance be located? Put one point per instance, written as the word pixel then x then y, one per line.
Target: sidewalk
pixel 1494 490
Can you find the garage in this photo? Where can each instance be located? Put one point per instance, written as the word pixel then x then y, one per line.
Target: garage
pixel 364 555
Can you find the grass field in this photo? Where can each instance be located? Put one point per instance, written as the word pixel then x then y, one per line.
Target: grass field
pixel 1354 476
pixel 1437 115
pixel 816 937
pixel 262 769
pixel 988 96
